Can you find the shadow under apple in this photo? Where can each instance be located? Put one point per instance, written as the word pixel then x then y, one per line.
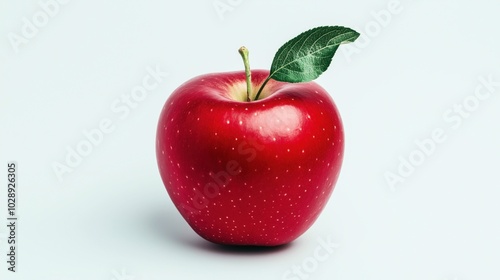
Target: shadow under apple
pixel 169 224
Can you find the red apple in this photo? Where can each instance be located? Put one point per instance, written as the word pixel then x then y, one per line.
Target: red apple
pixel 249 173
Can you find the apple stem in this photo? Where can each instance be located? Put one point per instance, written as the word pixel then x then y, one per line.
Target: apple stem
pixel 262 87
pixel 244 54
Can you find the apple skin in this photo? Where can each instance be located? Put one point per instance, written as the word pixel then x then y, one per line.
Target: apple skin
pixel 249 173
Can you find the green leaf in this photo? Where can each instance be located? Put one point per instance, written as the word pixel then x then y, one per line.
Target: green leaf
pixel 305 57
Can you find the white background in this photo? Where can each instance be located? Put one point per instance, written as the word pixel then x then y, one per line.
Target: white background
pixel 111 218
